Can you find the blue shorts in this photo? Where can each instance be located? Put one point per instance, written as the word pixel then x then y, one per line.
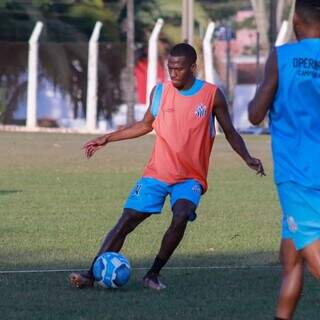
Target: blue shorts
pixel 301 213
pixel 149 194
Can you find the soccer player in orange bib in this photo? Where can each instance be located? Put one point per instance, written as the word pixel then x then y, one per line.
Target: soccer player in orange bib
pixel 182 114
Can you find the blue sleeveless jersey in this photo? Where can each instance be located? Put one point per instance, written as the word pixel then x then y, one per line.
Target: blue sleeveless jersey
pixel 295 114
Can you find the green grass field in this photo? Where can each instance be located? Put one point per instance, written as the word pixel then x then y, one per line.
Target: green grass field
pixel 55 207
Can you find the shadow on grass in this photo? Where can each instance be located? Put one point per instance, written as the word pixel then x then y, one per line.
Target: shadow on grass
pixel 6 192
pixel 230 293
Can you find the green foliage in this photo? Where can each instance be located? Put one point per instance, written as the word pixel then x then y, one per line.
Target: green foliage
pixel 171 12
pixel 64 21
pixel 42 3
pixel 224 9
pixel 249 23
pixel 145 14
pixel 3 3
pixel 74 20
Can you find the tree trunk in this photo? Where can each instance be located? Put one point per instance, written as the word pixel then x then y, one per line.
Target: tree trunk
pixel 291 35
pixel 273 24
pixel 280 10
pixel 130 96
pixel 261 16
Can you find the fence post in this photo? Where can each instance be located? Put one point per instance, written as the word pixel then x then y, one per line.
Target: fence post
pixel 153 58
pixel 31 122
pixel 283 34
pixel 91 113
pixel 207 53
pixel 210 73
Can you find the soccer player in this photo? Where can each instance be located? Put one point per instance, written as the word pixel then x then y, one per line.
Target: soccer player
pixel 291 91
pixel 182 114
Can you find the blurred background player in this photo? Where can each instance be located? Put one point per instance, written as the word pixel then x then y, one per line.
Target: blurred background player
pixel 291 91
pixel 182 114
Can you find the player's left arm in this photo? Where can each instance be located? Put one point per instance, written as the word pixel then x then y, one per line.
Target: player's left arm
pixel 266 91
pixel 220 110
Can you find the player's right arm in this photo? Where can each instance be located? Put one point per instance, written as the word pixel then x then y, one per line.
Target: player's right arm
pixel 264 96
pixel 135 130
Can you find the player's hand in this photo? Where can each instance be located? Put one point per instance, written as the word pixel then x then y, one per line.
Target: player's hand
pixel 94 145
pixel 256 164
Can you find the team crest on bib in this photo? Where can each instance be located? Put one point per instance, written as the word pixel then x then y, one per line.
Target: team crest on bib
pixel 201 111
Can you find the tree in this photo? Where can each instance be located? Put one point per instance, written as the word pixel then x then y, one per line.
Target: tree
pixel 64 21
pixel 262 21
pixel 269 15
pixel 130 62
pixel 69 25
pixel 64 64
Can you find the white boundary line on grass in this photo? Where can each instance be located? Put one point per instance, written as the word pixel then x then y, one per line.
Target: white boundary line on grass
pixel 145 268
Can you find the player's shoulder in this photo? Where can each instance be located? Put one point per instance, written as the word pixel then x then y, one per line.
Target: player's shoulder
pixel 210 86
pixel 286 48
pixel 166 83
pixel 156 98
pixel 286 45
pixel 160 86
pixel 281 54
pixel 156 90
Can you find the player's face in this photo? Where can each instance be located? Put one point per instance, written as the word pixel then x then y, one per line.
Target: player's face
pixel 180 71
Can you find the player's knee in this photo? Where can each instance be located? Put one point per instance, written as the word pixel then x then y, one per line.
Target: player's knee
pixel 291 261
pixel 289 266
pixel 179 219
pixel 284 263
pixel 182 211
pixel 126 224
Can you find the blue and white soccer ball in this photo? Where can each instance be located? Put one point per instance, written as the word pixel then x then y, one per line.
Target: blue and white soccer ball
pixel 111 270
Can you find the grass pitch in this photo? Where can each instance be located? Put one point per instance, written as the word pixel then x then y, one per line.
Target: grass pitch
pixel 55 207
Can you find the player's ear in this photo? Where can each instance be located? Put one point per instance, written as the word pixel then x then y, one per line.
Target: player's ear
pixel 296 22
pixel 194 68
pixel 295 18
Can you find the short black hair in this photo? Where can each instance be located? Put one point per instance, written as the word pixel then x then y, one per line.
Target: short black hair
pixel 308 10
pixel 184 50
